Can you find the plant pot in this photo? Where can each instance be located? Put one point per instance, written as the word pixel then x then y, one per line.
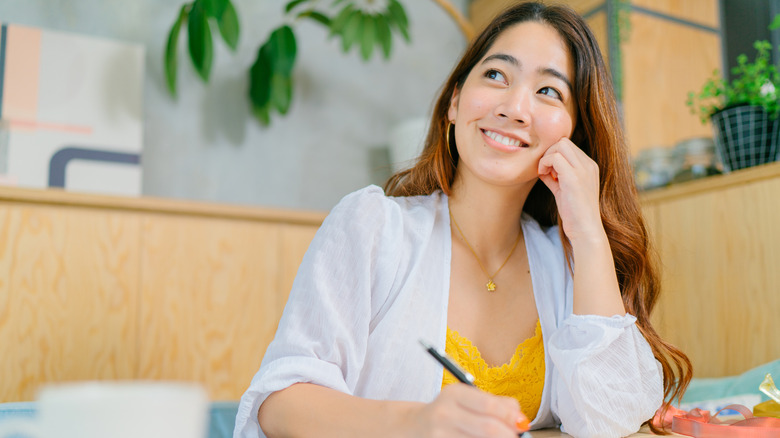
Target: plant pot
pixel 745 136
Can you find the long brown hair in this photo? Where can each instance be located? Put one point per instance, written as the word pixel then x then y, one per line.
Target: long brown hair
pixel 599 133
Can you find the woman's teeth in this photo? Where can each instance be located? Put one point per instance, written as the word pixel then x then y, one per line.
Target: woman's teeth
pixel 503 140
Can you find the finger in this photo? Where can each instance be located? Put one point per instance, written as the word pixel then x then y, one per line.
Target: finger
pixel 554 162
pixel 576 156
pixel 522 423
pixel 506 409
pixel 483 426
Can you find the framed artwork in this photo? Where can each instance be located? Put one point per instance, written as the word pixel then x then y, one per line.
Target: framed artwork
pixel 71 111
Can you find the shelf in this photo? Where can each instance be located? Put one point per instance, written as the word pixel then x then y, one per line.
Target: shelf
pixel 712 183
pixel 158 205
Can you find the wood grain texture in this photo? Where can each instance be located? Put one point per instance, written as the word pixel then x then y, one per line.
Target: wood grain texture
pixel 704 12
pixel 97 287
pixel 68 296
pixel 585 6
pixel 663 62
pixel 147 204
pixel 720 280
pixel 209 291
pixel 598 25
pixel 481 12
pixel 650 214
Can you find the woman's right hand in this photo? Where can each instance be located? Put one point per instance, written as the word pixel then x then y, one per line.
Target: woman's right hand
pixel 465 411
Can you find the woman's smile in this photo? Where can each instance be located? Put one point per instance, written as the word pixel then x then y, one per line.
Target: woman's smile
pixel 503 141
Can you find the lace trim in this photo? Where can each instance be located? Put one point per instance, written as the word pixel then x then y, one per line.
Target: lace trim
pixel 521 378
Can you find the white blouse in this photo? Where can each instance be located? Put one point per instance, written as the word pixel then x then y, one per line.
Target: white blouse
pixel 375 280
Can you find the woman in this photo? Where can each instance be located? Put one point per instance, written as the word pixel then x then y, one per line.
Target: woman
pixel 516 241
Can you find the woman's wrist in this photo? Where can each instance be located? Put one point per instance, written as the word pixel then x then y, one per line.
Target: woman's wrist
pixel 589 241
pixel 402 419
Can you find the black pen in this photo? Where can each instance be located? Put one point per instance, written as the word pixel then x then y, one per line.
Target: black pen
pixel 455 370
pixel 452 367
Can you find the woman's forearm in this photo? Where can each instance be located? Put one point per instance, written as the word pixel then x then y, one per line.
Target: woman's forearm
pixel 305 410
pixel 596 289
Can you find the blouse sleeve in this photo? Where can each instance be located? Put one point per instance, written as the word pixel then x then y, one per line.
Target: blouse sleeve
pixel 322 335
pixel 609 382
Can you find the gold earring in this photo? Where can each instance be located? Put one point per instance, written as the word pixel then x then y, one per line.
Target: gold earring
pixel 447 137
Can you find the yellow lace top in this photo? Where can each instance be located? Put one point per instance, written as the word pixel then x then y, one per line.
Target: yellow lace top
pixel 522 377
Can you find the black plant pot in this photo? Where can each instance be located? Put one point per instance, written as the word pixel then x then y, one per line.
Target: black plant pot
pixel 745 136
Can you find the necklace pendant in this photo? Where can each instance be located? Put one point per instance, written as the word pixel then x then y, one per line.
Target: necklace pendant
pixel 490 286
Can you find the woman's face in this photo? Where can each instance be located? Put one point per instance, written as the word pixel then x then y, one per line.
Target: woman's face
pixel 516 102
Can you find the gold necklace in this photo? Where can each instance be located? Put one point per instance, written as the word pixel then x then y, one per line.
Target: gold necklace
pixel 491 285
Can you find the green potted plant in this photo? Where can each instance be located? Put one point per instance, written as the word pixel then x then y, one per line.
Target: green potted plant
pixel 744 111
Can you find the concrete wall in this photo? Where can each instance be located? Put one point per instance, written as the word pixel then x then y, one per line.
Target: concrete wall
pixel 206 146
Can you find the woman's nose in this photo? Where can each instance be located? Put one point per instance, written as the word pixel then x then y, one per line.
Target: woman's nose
pixel 516 106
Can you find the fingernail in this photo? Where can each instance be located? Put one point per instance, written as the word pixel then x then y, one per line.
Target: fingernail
pixel 522 423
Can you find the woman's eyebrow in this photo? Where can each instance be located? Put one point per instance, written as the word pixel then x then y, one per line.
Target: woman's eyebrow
pixel 502 57
pixel 547 71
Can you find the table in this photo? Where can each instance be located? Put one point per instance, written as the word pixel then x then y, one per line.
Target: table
pixel 555 433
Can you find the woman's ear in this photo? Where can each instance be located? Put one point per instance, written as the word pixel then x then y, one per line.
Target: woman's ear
pixel 452 112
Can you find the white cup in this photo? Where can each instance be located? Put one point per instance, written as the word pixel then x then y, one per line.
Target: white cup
pixel 127 409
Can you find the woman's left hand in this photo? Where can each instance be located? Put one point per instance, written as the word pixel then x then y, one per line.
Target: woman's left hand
pixel 573 178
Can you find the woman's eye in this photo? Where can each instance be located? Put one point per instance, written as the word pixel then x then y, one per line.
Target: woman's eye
pixel 495 75
pixel 552 92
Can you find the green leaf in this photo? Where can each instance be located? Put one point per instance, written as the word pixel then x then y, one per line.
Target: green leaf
pixel 316 16
pixel 200 44
pixel 214 8
pixel 270 81
pixel 170 51
pixel 398 16
pixel 283 50
pixel 290 6
pixel 262 114
pixel 775 23
pixel 398 13
pixel 384 35
pixel 228 26
pixel 337 24
pixel 260 77
pixel 368 36
pixel 351 30
pixel 281 92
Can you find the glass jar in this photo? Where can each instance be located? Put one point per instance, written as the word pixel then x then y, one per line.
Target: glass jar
pixel 654 167
pixel 698 159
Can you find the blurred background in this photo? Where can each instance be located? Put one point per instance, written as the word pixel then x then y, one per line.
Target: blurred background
pixel 346 113
pixel 206 145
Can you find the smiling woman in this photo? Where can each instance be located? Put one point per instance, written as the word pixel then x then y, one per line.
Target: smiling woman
pixel 524 175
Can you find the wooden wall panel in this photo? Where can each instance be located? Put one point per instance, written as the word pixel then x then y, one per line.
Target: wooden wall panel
pixel 68 296
pixel 598 25
pixel 704 12
pixel 100 287
pixel 662 62
pixel 720 277
pixel 652 222
pixel 482 11
pixel 209 291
